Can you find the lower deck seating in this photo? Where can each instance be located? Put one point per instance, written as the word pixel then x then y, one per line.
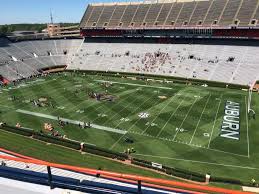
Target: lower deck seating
pixel 209 62
pixel 230 64
pixel 24 59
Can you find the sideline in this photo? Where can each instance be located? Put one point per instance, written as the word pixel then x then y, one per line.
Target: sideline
pixel 200 162
pixel 71 121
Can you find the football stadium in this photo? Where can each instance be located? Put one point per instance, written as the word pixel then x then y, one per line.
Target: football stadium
pixel 140 97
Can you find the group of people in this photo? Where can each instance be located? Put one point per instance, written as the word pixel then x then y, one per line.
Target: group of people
pixel 62 123
pixel 85 125
pixel 164 61
pixel 150 62
pixel 49 127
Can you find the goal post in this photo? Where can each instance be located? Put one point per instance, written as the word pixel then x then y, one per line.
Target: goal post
pixel 249 100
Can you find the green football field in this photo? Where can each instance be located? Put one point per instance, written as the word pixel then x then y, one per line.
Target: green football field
pixel 168 123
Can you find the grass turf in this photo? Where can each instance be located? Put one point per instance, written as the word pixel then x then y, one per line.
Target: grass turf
pixel 61 155
pixel 58 154
pixel 179 131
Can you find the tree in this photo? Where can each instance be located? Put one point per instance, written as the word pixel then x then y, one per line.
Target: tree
pixel 4 29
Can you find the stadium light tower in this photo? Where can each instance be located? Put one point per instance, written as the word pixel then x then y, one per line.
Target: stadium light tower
pixel 51 17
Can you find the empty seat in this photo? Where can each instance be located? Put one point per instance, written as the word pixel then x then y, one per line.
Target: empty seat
pixel 246 11
pixel 117 15
pixel 200 13
pixel 214 13
pixel 230 12
pixel 106 15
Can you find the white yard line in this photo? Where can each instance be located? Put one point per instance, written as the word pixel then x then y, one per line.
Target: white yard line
pixel 200 162
pixel 184 119
pixel 170 118
pixel 227 152
pixel 184 143
pixel 60 98
pixel 138 108
pixel 71 121
pixel 93 104
pixel 131 84
pixel 131 125
pixel 113 145
pixel 200 119
pixel 8 107
pixel 160 112
pixel 214 122
pixel 247 131
pixel 30 94
pixel 30 84
pixel 74 107
pixel 129 95
pixel 125 107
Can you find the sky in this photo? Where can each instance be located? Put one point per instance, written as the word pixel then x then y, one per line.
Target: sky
pixel 38 11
